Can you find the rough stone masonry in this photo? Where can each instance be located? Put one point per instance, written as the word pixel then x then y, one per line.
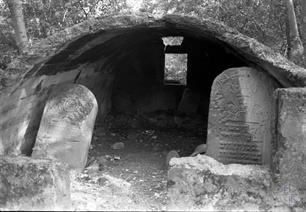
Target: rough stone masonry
pixel 290 157
pixel 33 184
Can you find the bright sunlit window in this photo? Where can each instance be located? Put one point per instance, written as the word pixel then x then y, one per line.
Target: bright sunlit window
pixel 175 68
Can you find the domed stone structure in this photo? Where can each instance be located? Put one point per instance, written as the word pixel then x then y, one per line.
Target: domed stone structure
pixel 121 60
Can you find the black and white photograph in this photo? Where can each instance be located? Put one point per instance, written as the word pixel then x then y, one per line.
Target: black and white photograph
pixel 153 105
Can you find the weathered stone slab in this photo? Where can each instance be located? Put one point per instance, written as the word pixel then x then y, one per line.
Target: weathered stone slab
pixel 290 158
pixel 241 117
pixel 203 184
pixel 33 184
pixel 66 126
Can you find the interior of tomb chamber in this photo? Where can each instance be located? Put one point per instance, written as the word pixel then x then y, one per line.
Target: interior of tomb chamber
pixel 130 77
pixel 133 89
pixel 139 105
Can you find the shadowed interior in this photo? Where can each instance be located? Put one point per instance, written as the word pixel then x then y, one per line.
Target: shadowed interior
pixel 125 67
pixel 129 69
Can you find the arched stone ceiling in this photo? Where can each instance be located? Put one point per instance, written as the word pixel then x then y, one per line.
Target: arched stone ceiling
pixel 113 35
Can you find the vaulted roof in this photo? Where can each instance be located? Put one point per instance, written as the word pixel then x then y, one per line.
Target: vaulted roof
pixel 112 36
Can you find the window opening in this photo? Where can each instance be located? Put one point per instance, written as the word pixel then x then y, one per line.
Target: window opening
pixel 175 71
pixel 175 68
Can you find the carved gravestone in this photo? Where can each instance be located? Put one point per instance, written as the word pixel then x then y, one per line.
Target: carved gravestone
pixel 241 117
pixel 66 126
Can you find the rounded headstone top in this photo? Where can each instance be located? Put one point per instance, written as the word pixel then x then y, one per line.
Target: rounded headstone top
pixel 73 105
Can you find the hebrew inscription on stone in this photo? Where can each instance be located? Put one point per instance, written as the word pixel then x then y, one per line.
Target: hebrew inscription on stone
pixel 241 117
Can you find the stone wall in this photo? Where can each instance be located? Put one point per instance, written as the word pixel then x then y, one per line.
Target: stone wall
pixel 33 184
pixel 290 156
pixel 203 184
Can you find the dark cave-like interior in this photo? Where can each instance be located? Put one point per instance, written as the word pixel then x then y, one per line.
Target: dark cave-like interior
pixel 137 89
pixel 143 117
pixel 129 67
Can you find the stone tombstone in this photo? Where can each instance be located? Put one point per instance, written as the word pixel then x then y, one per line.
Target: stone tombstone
pixel 66 126
pixel 241 117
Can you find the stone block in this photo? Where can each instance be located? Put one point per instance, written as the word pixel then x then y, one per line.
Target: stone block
pixel 241 117
pixel 66 126
pixel 290 158
pixel 203 184
pixel 33 184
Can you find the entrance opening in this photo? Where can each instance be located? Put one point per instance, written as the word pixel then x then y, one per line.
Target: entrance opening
pixel 141 118
pixel 144 115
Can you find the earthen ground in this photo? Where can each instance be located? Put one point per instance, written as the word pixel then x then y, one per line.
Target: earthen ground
pixel 134 177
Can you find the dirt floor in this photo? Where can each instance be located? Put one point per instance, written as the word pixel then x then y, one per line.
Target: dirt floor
pixel 127 167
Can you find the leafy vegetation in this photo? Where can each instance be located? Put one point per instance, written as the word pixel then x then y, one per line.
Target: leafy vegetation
pixel 264 20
